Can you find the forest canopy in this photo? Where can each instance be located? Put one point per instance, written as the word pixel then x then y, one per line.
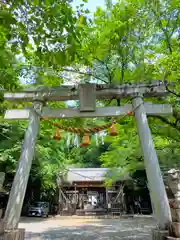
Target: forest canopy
pixel 49 43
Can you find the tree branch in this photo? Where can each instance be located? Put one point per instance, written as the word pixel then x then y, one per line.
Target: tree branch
pixel 171 91
pixel 165 120
pixel 167 37
pixel 109 102
pixel 83 73
pixel 166 85
pixel 107 68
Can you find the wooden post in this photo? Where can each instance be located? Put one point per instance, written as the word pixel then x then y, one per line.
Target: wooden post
pixel 16 198
pixel 107 200
pixel 2 177
pixel 60 203
pixel 154 176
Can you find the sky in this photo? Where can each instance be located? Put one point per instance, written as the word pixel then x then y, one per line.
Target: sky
pixel 91 5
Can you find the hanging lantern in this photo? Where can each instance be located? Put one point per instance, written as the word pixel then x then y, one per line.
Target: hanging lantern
pixel 85 141
pixel 57 136
pixel 113 130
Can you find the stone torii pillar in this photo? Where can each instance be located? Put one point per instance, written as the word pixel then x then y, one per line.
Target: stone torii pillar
pixel 18 189
pixel 155 181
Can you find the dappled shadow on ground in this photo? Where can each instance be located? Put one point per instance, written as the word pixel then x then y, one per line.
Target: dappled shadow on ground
pixel 33 219
pixel 108 229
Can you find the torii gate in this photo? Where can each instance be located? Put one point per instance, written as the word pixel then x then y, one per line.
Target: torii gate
pixel 87 94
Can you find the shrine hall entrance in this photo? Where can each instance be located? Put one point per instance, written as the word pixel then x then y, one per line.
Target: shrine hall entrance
pixel 83 191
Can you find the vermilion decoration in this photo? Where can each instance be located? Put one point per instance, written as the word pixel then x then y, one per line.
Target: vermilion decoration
pixel 57 135
pixel 113 130
pixel 85 141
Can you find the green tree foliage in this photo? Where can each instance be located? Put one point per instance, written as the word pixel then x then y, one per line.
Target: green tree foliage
pixel 36 38
pixel 48 42
pixel 141 43
pixel 46 33
pixel 89 156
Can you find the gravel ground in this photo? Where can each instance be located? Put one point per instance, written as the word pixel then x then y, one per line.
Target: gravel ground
pixel 66 228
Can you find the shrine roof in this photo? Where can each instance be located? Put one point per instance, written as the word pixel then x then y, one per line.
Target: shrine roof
pixel 91 175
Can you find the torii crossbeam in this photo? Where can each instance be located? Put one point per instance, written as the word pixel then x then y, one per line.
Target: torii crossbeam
pixel 87 94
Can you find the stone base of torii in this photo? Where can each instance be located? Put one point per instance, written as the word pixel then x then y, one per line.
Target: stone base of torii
pixel 17 234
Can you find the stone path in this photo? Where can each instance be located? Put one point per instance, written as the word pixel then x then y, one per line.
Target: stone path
pixel 90 229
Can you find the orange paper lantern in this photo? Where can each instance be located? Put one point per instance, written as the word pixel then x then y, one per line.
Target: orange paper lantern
pixel 113 130
pixel 85 141
pixel 57 136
